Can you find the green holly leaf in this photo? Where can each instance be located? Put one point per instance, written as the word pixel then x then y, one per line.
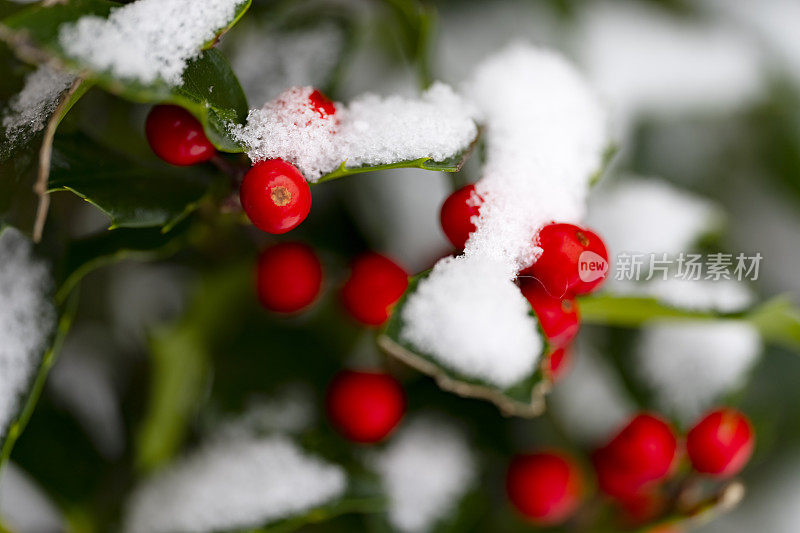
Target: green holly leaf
pixel 88 253
pixel 609 309
pixel 209 90
pixel 451 164
pixel 525 398
pixel 133 194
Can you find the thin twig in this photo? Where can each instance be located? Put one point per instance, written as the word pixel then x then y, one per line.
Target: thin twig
pixel 45 154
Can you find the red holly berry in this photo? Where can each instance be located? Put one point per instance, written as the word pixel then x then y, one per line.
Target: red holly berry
pixel 456 215
pixel 557 363
pixel 643 452
pixel 321 104
pixel 365 406
pixel 288 277
pixel 275 196
pixel 545 487
pixel 374 286
pixel 574 260
pixel 176 136
pixel 721 443
pixel 558 316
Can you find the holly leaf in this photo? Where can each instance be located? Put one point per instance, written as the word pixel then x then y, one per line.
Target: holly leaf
pixel 525 398
pixel 86 254
pixel 609 309
pixel 209 88
pixel 778 321
pixel 154 195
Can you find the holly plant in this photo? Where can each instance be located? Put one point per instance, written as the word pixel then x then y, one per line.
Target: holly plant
pixel 261 271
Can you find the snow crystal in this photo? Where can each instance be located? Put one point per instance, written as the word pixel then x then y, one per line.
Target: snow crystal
pixel 648 215
pixel 24 505
pixel 473 318
pixel 689 364
pixel 232 484
pixel 27 318
pixel 147 39
pixel 545 135
pixel 591 400
pixel 643 59
pixel 370 131
pixel 267 60
pixel 425 470
pixel 29 111
pixel 723 296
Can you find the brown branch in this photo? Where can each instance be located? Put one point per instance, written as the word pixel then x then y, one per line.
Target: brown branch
pixel 45 154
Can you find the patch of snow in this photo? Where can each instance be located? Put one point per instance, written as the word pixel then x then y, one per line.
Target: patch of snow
pixel 690 364
pixel 723 296
pixel 648 215
pixel 473 319
pixel 645 59
pixel 27 319
pixel 545 136
pixel 24 506
pixel 147 40
pixel 29 111
pixel 772 22
pixel 426 469
pixel 591 401
pixel 290 410
pixel 233 484
pixel 369 131
pixel 82 382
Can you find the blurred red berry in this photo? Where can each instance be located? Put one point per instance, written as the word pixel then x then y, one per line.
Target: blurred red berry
pixel 275 196
pixel 365 406
pixel 374 286
pixel 643 452
pixel 721 443
pixel 456 215
pixel 558 316
pixel 288 277
pixel 557 363
pixel 545 487
pixel 176 136
pixel 321 104
pixel 574 260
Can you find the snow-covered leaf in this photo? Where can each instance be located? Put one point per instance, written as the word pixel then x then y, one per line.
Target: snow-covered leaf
pixel 524 398
pixel 243 482
pixel 434 131
pixel 31 329
pixel 142 53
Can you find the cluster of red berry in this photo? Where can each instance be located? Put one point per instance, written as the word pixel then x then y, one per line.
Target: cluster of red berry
pixel 551 284
pixel 274 194
pixel 289 280
pixel 547 487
